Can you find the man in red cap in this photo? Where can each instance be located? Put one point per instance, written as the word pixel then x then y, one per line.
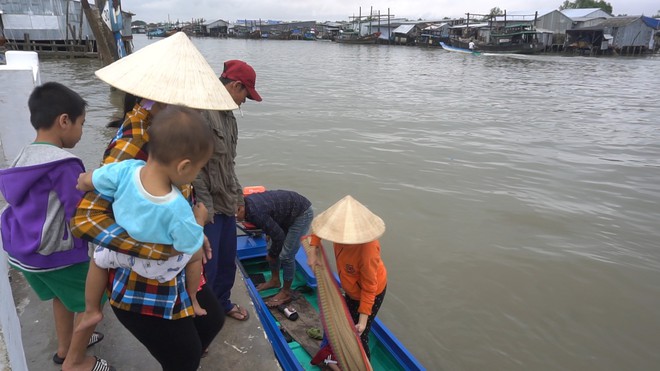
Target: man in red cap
pixel 218 188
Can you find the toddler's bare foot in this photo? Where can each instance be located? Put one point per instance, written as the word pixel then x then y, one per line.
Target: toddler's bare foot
pixel 199 311
pixel 89 320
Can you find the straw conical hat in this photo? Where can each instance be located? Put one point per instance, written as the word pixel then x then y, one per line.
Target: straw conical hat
pixel 169 71
pixel 348 222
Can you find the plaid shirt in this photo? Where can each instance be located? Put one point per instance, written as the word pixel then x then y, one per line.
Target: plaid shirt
pixel 94 222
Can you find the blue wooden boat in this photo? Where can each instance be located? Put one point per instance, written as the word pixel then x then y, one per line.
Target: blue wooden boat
pixel 458 50
pixel 387 352
pixel 158 32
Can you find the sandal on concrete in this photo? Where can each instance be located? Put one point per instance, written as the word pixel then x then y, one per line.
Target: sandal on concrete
pixel 95 338
pixel 238 313
pixel 57 359
pixel 102 365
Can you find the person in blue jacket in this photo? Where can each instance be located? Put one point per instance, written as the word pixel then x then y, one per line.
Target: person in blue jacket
pixel 285 217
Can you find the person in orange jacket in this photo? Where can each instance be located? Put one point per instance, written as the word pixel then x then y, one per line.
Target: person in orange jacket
pixel 354 231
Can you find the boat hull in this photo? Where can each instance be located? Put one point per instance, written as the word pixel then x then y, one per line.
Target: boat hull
pixel 352 39
pixel 450 48
pixel 388 353
pixel 517 48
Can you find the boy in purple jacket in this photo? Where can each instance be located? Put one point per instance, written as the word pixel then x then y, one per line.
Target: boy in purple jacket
pixel 40 189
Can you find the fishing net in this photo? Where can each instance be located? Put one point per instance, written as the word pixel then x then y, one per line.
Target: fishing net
pixel 337 322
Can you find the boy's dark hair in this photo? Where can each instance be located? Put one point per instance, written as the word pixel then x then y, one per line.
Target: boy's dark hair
pixel 178 133
pixel 52 99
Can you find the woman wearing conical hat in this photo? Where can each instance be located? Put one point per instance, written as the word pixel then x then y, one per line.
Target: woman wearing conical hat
pixel 354 231
pixel 168 72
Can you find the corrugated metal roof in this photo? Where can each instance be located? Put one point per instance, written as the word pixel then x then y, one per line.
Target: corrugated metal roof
pixel 611 22
pixel 40 27
pixel 435 26
pixel 218 23
pixel 404 28
pixel 579 13
pixel 37 7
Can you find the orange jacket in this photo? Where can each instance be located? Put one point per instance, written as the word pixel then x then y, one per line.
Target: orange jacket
pixel 361 271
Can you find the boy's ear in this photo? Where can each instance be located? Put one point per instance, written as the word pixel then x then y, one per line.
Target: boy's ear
pixel 61 120
pixel 183 165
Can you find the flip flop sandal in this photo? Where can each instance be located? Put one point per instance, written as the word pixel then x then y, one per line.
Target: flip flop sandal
pixel 95 338
pixel 237 310
pixel 102 365
pixel 57 359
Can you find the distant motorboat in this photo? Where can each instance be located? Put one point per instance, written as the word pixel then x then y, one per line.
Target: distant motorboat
pixel 158 32
pixel 450 48
pixel 512 39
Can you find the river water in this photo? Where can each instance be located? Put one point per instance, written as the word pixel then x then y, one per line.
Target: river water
pixel 521 193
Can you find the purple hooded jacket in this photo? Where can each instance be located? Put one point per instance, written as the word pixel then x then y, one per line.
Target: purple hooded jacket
pixel 40 189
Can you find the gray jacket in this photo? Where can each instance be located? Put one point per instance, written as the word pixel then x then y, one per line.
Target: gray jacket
pixel 217 186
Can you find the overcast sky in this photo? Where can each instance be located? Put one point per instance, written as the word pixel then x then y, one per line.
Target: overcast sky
pixel 337 10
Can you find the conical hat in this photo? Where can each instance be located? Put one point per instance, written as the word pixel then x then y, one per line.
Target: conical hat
pixel 348 222
pixel 169 71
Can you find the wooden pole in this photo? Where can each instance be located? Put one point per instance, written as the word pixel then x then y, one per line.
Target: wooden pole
pixel 66 21
pixel 104 40
pixel 360 22
pixel 389 38
pixel 80 28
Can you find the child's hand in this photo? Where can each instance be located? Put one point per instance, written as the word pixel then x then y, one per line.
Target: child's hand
pixel 85 182
pixel 201 213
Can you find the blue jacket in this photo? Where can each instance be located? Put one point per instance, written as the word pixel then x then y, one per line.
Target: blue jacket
pixel 274 212
pixel 40 189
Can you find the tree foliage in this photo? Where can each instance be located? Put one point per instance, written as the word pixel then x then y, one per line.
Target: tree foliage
pixel 496 11
pixel 583 4
pixel 493 13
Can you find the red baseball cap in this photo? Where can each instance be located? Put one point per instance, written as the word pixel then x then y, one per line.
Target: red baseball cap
pixel 244 73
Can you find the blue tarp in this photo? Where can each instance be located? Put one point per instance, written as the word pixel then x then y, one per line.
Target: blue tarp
pixel 651 22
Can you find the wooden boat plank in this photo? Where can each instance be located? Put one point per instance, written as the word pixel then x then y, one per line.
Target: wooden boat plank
pixel 308 317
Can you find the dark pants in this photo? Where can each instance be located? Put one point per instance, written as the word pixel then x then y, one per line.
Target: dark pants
pixel 221 269
pixel 176 344
pixel 353 306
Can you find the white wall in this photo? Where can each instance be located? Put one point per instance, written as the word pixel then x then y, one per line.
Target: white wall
pixel 17 79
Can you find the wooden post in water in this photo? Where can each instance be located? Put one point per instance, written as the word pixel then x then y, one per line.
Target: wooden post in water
pixel 104 40
pixel 66 22
pixel 389 29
